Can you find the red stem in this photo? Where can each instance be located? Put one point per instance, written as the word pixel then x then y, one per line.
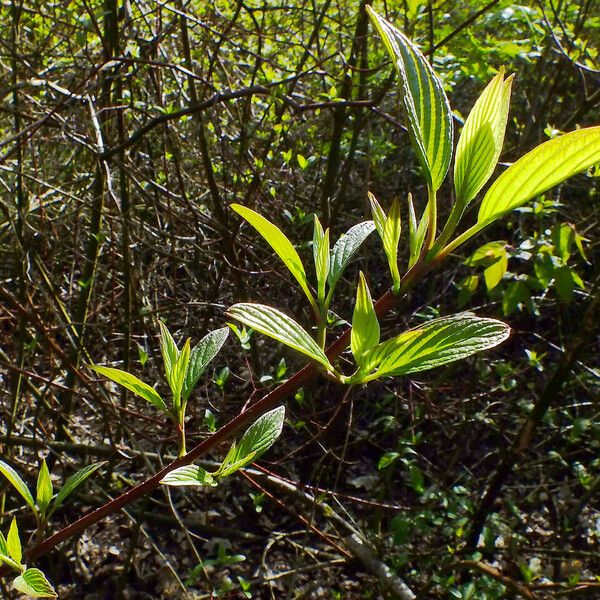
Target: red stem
pixel 245 418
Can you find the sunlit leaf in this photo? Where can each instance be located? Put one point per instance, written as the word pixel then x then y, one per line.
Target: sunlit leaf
pixel 34 584
pixel 345 248
pixel 15 480
pixel 200 357
pixel 279 326
pixel 44 488
pixel 133 384
pixel 257 439
pixel 365 326
pixel 544 167
pixel 168 348
pixel 426 106
pixel 280 244
pixel 481 139
pixel 13 542
pixel 436 343
pixel 188 475
pixel 74 481
pixel 321 256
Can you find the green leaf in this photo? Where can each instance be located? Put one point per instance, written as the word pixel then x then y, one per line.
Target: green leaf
pixel 200 357
pixel 178 373
pixel 13 542
pixel 188 475
pixel 391 239
pixel 279 326
pixel 378 214
pixel 73 482
pixel 280 244
pixel 494 258
pixel 345 248
pixel 434 344
pixel 321 256
pixel 33 583
pixel 365 326
pixel 133 384
pixel 427 110
pixel 3 546
pixel 563 236
pixel 544 167
pixel 44 489
pixel 564 283
pixel 16 481
pixel 168 348
pixel 414 241
pixel 481 139
pixel 257 439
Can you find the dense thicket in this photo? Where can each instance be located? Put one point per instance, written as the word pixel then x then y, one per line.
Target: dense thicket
pixel 126 130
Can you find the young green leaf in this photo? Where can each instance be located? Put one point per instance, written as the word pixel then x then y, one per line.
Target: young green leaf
pixel 257 439
pixel 481 139
pixel 436 343
pixel 378 214
pixel 280 244
pixel 19 485
pixel 365 326
pixel 34 584
pixel 321 256
pixel 345 248
pixel 279 326
pixel 133 384
pixel 73 482
pixel 544 167
pixel 13 542
pixel 494 258
pixel 168 348
pixel 3 546
pixel 177 378
pixel 200 356
pixel 391 239
pixel 425 104
pixel 188 475
pixel 44 488
pixel 413 233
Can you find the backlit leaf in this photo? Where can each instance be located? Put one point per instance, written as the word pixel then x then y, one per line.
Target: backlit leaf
pixel 44 488
pixel 15 480
pixel 481 139
pixel 13 542
pixel 426 106
pixel 544 167
pixel 365 326
pixel 436 343
pixel 188 475
pixel 280 244
pixel 279 326
pixel 133 384
pixel 34 584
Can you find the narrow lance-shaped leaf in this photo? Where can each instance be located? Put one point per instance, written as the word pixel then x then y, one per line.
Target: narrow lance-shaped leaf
pixel 365 326
pixel 481 139
pixel 13 542
pixel 257 439
pixel 73 482
pixel 200 357
pixel 427 110
pixel 133 384
pixel 279 326
pixel 44 488
pixel 34 584
pixel 15 480
pixel 391 239
pixel 436 343
pixel 177 379
pixel 280 244
pixel 321 256
pixel 168 349
pixel 345 248
pixel 544 167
